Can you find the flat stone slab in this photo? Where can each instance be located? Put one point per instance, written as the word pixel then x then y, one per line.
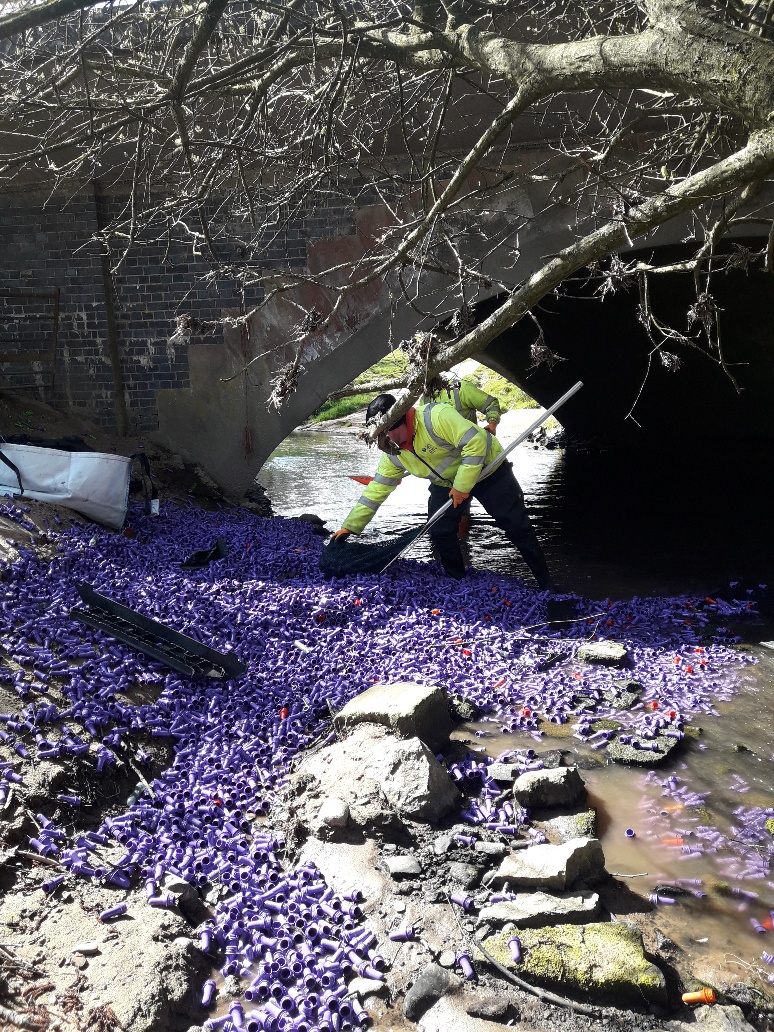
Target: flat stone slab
pixel 504 772
pixel 408 709
pixel 618 752
pixel 603 653
pixel 552 867
pixel 402 866
pixel 625 693
pixel 538 789
pixel 449 1015
pixel 493 849
pixel 603 961
pixel 569 826
pixel 537 909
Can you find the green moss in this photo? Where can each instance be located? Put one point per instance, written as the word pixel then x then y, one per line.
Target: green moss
pixel 606 724
pixel 602 960
pixel 720 887
pixel 390 367
pixel 340 407
pixel 702 811
pixel 551 730
pixel 770 825
pixel 508 394
pixel 395 365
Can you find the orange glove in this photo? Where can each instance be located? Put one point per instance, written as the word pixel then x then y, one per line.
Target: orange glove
pixel 492 428
pixel 458 497
pixel 341 533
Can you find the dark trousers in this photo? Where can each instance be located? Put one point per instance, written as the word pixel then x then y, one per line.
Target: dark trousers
pixel 502 497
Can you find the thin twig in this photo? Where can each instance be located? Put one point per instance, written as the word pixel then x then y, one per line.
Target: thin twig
pixel 46 861
pixel 511 634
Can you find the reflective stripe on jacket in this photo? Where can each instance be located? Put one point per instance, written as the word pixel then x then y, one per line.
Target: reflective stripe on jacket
pixel 468 399
pixel 447 449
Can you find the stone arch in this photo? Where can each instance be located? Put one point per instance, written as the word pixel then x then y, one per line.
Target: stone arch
pixel 224 424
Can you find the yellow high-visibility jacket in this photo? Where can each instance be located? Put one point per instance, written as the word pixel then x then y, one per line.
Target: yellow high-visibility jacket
pixel 468 399
pixel 447 449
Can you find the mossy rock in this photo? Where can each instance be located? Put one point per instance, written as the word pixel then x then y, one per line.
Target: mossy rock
pixel 552 730
pixel 603 961
pixel 606 724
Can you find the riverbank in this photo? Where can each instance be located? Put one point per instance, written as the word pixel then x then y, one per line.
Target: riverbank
pixel 182 791
pixel 513 422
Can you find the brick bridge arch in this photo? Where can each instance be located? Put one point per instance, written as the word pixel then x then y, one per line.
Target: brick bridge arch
pixel 223 422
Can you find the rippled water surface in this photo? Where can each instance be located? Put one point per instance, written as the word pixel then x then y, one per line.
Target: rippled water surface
pixel 670 523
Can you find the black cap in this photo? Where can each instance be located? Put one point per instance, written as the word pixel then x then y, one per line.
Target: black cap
pixel 380 405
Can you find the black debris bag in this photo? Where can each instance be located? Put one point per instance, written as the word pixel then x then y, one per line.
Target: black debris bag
pixel 205 556
pixel 342 556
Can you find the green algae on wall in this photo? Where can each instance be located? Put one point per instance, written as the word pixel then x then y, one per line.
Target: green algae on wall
pixel 604 961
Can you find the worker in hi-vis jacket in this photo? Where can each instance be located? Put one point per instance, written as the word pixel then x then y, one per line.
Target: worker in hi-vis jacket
pixel 438 443
pixel 468 399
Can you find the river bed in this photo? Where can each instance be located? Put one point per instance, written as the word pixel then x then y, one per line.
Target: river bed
pixel 620 528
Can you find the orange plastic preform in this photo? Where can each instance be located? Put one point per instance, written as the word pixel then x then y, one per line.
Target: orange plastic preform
pixel 705 995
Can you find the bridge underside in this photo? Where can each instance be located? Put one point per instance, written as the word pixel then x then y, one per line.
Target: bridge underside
pixel 629 396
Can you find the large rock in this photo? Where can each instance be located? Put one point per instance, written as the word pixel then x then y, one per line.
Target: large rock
pixel 603 653
pixel 413 782
pixel 552 867
pixel 377 776
pixel 537 909
pixel 713 1019
pixel 603 961
pixel 410 710
pixel 540 789
pixel 433 982
pixel 619 752
pixel 570 826
pixel 144 965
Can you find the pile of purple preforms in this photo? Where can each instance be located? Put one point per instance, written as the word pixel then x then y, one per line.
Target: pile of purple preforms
pixel 309 644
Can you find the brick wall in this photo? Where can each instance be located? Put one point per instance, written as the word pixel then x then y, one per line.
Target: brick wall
pixel 48 242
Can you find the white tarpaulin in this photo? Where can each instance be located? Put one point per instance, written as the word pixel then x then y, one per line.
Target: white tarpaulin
pixel 93 483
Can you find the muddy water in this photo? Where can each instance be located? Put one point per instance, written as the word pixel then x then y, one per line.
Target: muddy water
pixel 615 527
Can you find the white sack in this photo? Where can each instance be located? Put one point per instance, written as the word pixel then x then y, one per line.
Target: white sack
pixel 93 483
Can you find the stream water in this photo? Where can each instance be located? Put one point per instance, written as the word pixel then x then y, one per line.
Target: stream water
pixel 617 527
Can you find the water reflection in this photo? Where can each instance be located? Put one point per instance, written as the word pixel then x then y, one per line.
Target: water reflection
pixel 611 525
